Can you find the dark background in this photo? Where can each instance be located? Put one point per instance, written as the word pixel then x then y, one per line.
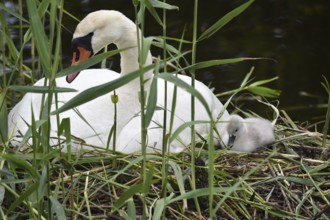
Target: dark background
pixel 294 33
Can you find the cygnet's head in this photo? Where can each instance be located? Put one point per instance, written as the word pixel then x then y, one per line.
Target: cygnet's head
pixel 235 125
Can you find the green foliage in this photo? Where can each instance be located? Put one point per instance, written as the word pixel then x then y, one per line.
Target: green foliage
pixel 224 20
pixel 41 182
pixel 326 86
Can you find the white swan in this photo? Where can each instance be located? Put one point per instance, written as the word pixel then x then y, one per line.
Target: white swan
pixel 94 32
pixel 249 133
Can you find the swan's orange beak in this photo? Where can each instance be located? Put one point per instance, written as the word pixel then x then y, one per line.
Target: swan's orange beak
pixel 80 55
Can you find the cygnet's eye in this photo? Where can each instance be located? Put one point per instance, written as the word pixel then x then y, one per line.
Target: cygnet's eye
pixel 236 130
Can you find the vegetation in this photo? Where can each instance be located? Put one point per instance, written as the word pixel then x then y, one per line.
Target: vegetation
pixel 290 180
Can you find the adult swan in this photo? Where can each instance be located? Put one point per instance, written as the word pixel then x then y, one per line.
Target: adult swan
pixel 92 121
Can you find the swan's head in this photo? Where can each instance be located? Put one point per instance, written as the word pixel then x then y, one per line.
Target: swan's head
pixel 96 31
pixel 235 127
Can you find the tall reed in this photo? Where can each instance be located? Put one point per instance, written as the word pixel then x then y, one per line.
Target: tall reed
pixel 41 183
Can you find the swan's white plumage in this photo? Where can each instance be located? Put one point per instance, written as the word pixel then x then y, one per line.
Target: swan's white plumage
pixel 249 133
pixel 113 27
pixel 183 114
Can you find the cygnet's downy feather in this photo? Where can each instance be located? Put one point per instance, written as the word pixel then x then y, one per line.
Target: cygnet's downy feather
pixel 250 133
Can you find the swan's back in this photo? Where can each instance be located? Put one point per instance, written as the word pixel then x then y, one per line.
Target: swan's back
pixel 182 115
pixel 20 117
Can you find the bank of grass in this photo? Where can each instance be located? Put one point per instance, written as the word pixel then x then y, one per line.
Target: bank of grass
pixel 289 180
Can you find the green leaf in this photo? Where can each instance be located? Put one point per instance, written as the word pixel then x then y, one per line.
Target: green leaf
pixel 159 206
pixel 185 86
pixel 89 62
pixel 152 102
pixel 177 132
pixel 152 98
pixel 3 118
pixel 261 82
pixel 39 36
pixel 22 164
pixel 57 208
pixel 210 63
pixel 163 5
pixel 131 209
pixel 146 48
pixel 22 197
pixel 66 128
pixel 42 184
pixel 159 42
pixel 132 190
pixel 224 20
pixel 9 41
pixel 29 132
pixel 148 181
pixel 18 16
pixel 40 89
pixel 97 91
pixel 264 91
pixel 153 12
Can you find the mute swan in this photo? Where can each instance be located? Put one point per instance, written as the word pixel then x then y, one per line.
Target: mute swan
pixel 94 32
pixel 249 133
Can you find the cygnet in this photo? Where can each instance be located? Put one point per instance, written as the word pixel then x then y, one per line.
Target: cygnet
pixel 246 135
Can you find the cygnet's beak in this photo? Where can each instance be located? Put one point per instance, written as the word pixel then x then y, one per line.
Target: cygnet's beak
pixel 80 55
pixel 231 140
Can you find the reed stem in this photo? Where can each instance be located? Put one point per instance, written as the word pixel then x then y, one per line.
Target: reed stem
pixel 193 133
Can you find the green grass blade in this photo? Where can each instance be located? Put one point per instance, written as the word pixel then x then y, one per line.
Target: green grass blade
pixel 3 118
pixel 13 52
pixel 236 186
pixel 261 82
pixel 326 86
pixel 92 93
pixel 18 16
pixel 127 195
pixel 152 98
pixel 40 37
pixel 65 128
pixel 87 63
pixel 159 207
pixel 163 5
pixel 30 131
pixel 265 91
pixel 148 181
pixel 224 20
pixel 188 195
pixel 42 184
pixel 57 208
pixel 152 11
pixel 185 86
pixel 40 89
pixel 22 164
pixel 180 180
pixel 146 48
pixel 131 209
pixel 176 133
pixel 211 63
pixel 152 102
pixel 23 197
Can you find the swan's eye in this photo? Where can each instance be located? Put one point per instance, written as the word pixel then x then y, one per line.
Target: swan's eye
pixel 77 55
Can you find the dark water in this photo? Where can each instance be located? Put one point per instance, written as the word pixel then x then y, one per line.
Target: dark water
pixel 295 33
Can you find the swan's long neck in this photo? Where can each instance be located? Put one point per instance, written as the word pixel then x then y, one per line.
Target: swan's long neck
pixel 130 60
